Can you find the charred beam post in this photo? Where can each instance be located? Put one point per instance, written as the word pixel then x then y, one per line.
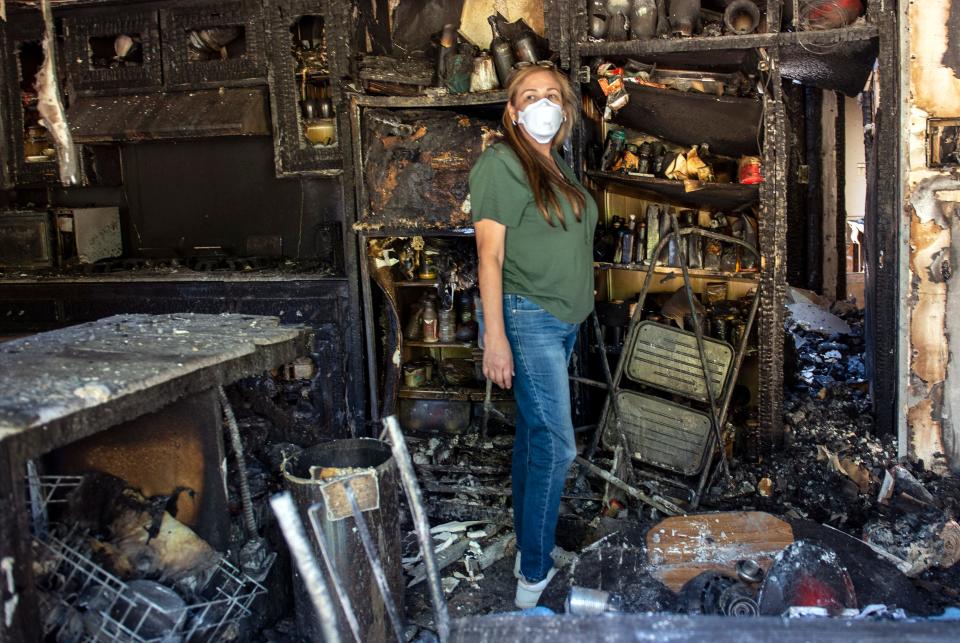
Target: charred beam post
pixel 841 221
pixel 814 146
pixel 772 233
pixel 882 290
pixel 829 175
pixel 6 111
pixel 797 180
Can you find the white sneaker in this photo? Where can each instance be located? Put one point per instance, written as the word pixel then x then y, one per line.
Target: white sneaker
pixel 561 558
pixel 528 594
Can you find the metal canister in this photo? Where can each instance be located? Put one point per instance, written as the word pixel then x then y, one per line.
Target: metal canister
pixel 503 60
pixel 583 601
pixel 447 326
pixel 414 375
pixel 525 48
pixel 484 76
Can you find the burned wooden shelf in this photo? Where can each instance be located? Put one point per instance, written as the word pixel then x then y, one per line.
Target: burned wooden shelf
pixel 432 392
pixel 493 97
pixel 667 270
pixel 719 195
pixel 419 344
pixel 713 43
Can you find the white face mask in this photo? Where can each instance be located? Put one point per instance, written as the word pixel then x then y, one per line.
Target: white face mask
pixel 542 120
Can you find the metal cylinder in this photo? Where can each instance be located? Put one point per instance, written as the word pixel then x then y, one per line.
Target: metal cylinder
pixel 741 17
pixel 345 548
pixel 525 48
pixel 583 601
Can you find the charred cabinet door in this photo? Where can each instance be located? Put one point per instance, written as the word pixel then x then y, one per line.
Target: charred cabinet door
pixel 307 56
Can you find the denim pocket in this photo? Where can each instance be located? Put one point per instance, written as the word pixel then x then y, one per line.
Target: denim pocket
pixel 520 304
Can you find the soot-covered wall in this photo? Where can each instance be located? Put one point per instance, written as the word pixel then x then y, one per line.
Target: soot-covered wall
pixel 930 241
pixel 218 192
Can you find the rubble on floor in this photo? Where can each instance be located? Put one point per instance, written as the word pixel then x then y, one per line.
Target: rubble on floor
pixel 887 526
pixel 834 487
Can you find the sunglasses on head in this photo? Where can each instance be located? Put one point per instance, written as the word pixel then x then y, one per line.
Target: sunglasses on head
pixel 546 64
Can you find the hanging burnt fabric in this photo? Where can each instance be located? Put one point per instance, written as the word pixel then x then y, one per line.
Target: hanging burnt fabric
pixel 418 165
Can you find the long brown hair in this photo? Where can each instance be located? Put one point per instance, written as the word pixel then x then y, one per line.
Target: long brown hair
pixel 544 183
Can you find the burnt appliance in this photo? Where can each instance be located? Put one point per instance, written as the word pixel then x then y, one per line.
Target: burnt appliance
pixel 25 239
pixel 87 235
pixel 66 236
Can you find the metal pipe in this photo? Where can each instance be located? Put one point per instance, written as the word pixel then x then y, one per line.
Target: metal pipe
pixel 249 522
pixel 420 524
pixel 589 382
pixel 338 588
pixel 660 504
pixel 701 347
pixel 374 558
pixel 292 528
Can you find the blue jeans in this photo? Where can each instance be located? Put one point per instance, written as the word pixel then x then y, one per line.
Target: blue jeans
pixel 544 445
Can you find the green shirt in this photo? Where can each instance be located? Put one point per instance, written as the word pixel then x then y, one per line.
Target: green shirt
pixel 547 264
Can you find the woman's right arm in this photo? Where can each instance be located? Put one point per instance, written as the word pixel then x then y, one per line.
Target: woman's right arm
pixel 497 358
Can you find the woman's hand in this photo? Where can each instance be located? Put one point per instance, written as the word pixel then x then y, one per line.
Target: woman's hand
pixel 498 360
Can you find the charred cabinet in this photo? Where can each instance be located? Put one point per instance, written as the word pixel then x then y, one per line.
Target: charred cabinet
pixel 212 44
pixel 32 156
pixel 113 51
pixel 418 255
pixel 308 49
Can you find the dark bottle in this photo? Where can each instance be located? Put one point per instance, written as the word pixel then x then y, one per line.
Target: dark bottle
pixel 502 53
pixel 692 241
pixel 673 246
pixel 628 240
pixel 640 244
pixel 616 229
pixel 645 153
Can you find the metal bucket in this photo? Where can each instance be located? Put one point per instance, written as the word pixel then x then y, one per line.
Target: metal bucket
pixel 344 543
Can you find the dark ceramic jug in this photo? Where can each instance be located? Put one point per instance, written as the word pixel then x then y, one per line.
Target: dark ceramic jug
pixel 684 15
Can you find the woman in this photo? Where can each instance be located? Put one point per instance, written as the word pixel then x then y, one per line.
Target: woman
pixel 534 227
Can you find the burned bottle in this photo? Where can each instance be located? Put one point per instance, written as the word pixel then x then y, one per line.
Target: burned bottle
pixel 430 334
pixel 628 240
pixel 502 53
pixel 692 241
pixel 671 256
pixel 613 149
pixel 653 232
pixel 640 246
pixel 645 154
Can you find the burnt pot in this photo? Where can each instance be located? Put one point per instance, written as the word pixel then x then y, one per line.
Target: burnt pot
pixel 741 17
pixel 684 15
pixel 599 17
pixel 643 19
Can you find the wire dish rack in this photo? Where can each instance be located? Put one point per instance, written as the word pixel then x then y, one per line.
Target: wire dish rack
pixel 89 604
